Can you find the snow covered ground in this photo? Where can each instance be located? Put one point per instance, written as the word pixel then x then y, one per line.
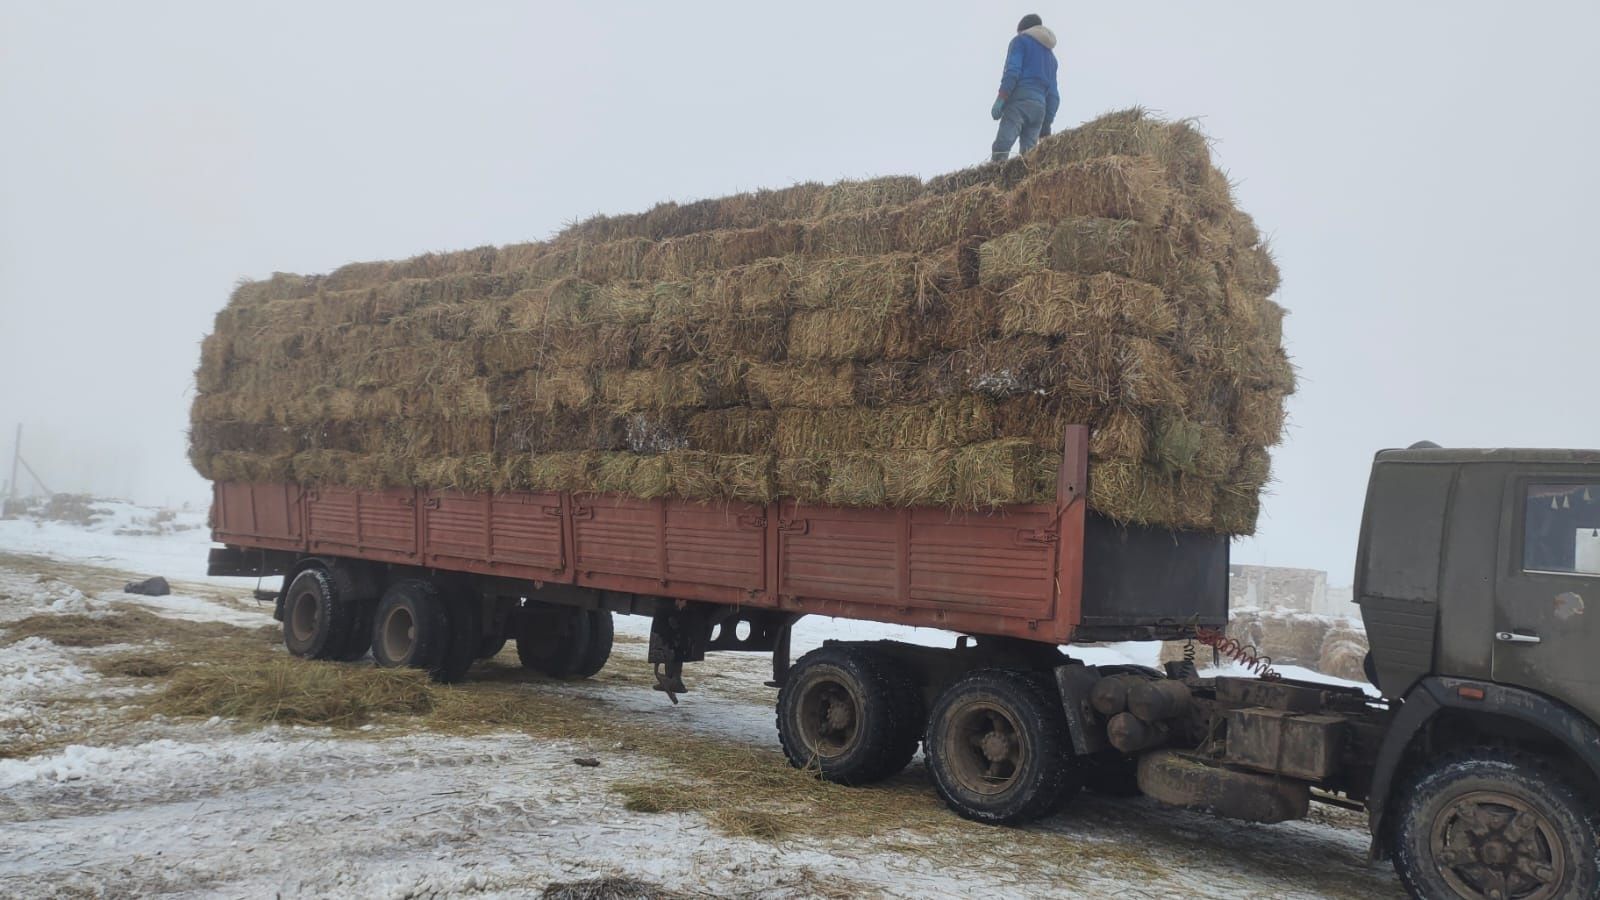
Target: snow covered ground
pixel 219 808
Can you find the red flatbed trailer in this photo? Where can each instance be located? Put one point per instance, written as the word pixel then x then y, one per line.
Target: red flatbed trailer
pixel 1015 572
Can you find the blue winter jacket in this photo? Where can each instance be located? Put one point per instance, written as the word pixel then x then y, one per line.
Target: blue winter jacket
pixel 1030 71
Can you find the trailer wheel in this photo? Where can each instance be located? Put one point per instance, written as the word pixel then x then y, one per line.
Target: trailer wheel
pixel 555 640
pixel 319 609
pixel 999 749
pixel 491 645
pixel 601 636
pixel 1497 823
pixel 365 606
pixel 845 711
pixel 410 628
pixel 464 622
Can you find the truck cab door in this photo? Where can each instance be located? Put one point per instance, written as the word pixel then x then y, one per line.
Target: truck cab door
pixel 1547 602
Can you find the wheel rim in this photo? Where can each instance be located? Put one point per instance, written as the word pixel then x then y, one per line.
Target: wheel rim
pixel 984 748
pixel 303 616
pixel 830 717
pixel 399 634
pixel 1494 846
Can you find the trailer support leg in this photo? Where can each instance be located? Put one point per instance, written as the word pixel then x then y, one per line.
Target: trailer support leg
pixel 676 637
pixel 780 655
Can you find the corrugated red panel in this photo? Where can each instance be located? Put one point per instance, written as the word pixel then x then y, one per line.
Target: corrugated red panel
pixel 380 525
pixel 261 515
pixel 988 572
pixel 839 554
pixel 671 548
pixel 1001 561
pixel 514 535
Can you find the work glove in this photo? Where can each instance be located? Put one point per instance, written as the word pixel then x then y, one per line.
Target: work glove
pixel 998 109
pixel 1045 131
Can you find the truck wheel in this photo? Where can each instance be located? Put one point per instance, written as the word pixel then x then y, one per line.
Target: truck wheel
pixel 1497 823
pixel 999 749
pixel 463 619
pixel 850 714
pixel 555 641
pixel 601 636
pixel 319 609
pixel 410 628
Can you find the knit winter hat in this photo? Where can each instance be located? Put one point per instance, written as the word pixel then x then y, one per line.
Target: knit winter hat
pixel 1028 21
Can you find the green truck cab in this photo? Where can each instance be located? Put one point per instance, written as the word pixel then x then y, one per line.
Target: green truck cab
pixel 1474 572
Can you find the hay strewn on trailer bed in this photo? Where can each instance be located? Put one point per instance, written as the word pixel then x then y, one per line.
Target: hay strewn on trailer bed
pixel 889 341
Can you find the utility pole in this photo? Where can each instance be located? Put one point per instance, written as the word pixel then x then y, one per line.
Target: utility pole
pixel 16 457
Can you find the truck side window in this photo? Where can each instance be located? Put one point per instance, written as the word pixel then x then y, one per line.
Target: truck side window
pixel 1561 529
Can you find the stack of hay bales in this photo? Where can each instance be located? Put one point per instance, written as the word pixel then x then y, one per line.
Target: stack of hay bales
pixel 885 342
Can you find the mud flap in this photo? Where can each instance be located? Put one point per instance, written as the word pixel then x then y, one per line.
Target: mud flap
pixel 1073 682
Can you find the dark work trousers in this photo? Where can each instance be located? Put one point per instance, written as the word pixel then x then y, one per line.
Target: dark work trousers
pixel 1022 119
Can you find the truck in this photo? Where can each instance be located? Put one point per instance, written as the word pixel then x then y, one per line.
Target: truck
pixel 1476 758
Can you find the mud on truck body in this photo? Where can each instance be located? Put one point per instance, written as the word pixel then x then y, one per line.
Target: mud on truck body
pixel 1478 767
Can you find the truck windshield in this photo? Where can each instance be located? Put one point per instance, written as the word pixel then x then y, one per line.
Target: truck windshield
pixel 1561 531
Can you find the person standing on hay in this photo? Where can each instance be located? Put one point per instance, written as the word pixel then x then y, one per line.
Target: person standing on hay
pixel 1028 97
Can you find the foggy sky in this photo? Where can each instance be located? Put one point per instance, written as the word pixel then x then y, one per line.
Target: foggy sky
pixel 1424 172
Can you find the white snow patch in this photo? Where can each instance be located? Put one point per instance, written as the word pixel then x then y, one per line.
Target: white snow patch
pixel 197 609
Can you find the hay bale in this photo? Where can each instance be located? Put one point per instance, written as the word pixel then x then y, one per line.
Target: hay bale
pixel 1344 652
pixel 881 341
pixel 736 430
pixel 852 196
pixel 745 478
pixel 567 471
pixel 803 478
pixel 1193 448
pixel 854 479
pixel 832 335
pixel 994 473
pixel 1003 175
pixel 477 473
pixel 700 384
pixel 920 478
pixel 931 426
pixel 1009 257
pixel 1089 246
pixel 1130 132
pixel 813 386
pixel 1059 304
pixel 1133 188
pixel 941 221
pixel 1294 638
pixel 1259 417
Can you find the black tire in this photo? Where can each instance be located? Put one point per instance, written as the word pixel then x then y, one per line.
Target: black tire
pixel 553 640
pixel 601 637
pixel 999 750
pixel 844 711
pixel 464 619
pixel 364 605
pixel 491 645
pixel 319 610
pixel 1537 821
pixel 410 628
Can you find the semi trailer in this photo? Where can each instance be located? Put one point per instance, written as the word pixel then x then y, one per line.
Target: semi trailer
pixel 1476 759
